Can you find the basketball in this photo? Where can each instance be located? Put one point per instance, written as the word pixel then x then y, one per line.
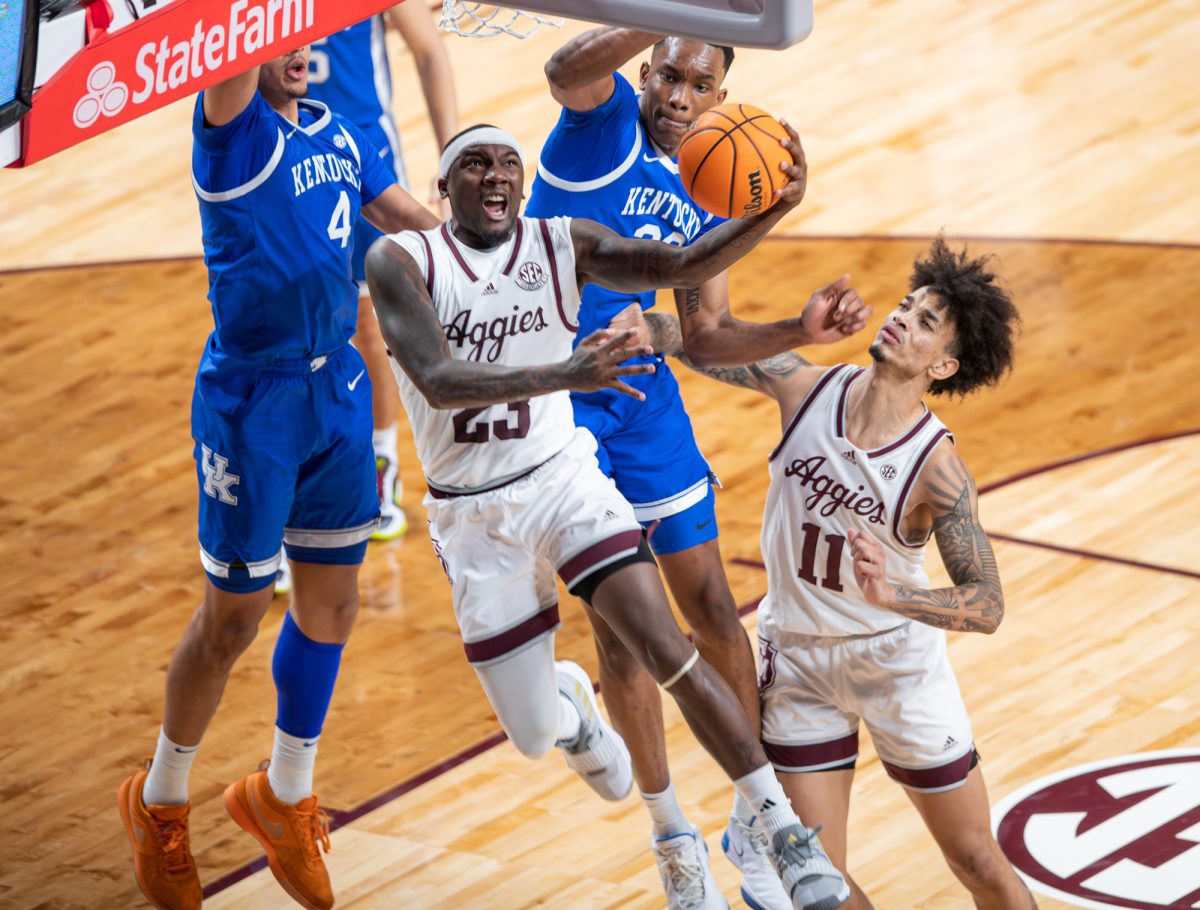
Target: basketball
pixel 729 160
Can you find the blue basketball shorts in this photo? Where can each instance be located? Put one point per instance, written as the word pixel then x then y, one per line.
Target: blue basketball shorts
pixel 293 463
pixel 649 450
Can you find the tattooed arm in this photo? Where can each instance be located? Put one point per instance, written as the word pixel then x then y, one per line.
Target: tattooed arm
pixel 713 336
pixel 947 498
pixel 416 340
pixel 786 377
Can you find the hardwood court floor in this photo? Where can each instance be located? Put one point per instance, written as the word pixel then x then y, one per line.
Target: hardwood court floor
pixel 101 575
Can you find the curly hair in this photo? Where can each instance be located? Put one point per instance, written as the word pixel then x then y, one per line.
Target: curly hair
pixel 984 316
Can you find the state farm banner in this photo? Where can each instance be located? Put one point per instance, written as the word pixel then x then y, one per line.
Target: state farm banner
pixel 169 54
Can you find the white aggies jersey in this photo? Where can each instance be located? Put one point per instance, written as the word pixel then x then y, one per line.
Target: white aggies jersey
pixel 514 305
pixel 822 485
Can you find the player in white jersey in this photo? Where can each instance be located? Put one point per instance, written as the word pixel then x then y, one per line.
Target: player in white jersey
pixel 515 491
pixel 864 475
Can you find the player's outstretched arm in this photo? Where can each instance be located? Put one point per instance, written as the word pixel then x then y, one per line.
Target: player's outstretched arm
pixel 581 71
pixel 619 263
pixel 416 340
pixel 225 100
pixel 786 377
pixel 713 336
pixel 396 210
pixel 976 602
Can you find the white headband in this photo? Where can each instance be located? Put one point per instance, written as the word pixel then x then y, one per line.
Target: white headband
pixel 484 135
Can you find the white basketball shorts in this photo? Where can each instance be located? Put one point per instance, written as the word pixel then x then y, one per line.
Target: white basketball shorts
pixel 501 548
pixel 900 683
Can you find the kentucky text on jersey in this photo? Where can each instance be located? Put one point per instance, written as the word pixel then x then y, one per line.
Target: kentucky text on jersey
pixel 328 168
pixel 651 200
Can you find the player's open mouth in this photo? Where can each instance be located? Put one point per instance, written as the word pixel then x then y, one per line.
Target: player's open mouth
pixel 297 69
pixel 496 206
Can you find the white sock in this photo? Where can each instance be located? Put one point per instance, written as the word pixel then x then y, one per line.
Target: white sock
pixel 290 773
pixel 167 782
pixel 741 810
pixel 385 442
pixel 665 813
pixel 569 721
pixel 762 790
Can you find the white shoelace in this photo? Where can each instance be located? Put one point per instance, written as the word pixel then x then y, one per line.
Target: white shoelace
pixel 685 873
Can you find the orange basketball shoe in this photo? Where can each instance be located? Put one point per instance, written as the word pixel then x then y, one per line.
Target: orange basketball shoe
pixel 289 834
pixel 162 859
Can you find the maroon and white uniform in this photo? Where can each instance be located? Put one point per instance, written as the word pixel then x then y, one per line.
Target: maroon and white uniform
pixel 829 657
pixel 515 492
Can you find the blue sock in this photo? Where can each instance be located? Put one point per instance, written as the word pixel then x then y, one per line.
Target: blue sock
pixel 304 672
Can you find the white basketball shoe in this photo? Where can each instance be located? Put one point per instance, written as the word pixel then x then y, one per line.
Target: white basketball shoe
pixel 597 754
pixel 686 877
pixel 745 845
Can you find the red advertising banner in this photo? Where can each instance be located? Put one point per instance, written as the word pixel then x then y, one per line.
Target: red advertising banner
pixel 170 54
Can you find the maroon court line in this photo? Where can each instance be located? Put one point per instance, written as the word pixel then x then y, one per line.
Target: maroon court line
pixel 339 819
pixel 1092 554
pixel 770 238
pixel 1087 456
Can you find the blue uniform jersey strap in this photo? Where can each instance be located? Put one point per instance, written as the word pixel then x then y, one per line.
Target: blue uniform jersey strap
pixel 376 175
pixel 610 133
pixel 228 157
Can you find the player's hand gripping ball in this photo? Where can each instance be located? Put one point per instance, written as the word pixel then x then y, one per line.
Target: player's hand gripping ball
pixel 730 160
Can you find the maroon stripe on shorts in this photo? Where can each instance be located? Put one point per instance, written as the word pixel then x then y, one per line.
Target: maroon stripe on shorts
pixel 813 755
pixel 939 778
pixel 498 645
pixel 582 564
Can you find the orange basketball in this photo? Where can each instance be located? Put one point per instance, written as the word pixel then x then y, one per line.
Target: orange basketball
pixel 729 160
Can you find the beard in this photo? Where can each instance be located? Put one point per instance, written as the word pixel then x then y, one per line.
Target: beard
pixel 876 352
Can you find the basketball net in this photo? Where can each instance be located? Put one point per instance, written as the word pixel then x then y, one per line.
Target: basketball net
pixel 486 20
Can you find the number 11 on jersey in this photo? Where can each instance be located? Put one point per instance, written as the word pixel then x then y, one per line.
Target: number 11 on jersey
pixel 833 557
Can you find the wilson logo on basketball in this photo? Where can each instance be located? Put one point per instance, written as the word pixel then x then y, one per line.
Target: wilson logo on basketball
pixel 756 193
pixel 1123 832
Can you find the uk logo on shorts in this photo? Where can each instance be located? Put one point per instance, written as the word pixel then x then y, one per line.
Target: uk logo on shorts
pixel 218 480
pixel 1123 832
pixel 531 276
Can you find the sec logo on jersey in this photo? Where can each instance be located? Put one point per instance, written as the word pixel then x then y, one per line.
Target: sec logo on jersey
pixel 1122 832
pixel 531 276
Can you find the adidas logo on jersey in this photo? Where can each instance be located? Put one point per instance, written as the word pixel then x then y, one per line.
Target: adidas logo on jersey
pixel 849 456
pixel 490 289
pixel 609 515
pixel 950 743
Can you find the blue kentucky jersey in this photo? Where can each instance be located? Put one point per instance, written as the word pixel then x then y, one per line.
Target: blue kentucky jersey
pixel 600 164
pixel 348 71
pixel 278 203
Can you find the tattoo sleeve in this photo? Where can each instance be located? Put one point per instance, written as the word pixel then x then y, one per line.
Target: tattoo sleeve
pixel 976 602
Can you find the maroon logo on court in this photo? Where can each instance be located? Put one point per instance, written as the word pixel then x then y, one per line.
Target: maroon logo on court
pixel 1123 832
pixel 531 276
